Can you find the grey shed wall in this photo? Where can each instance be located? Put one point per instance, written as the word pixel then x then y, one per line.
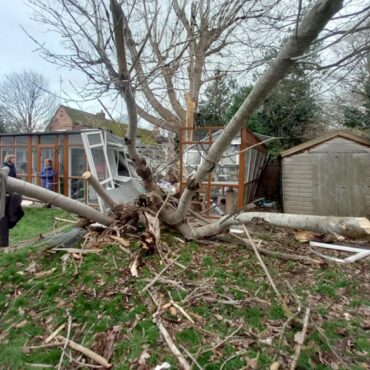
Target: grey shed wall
pixel 329 179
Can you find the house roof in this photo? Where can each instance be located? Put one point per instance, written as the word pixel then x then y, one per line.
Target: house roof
pixel 323 138
pixel 90 120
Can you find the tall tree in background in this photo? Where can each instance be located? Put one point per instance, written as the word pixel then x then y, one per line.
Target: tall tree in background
pixel 290 111
pixel 26 103
pixel 356 101
pixel 216 101
pixel 2 122
pixel 358 117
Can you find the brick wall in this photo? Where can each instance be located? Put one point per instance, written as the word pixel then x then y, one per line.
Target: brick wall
pixel 60 121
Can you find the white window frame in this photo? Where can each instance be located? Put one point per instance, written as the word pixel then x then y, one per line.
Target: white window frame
pixel 108 182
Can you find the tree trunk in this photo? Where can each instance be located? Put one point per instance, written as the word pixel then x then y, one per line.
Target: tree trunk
pixel 311 25
pixel 94 182
pixel 58 200
pixel 346 226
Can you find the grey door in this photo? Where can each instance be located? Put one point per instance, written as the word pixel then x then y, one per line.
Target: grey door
pixel 339 184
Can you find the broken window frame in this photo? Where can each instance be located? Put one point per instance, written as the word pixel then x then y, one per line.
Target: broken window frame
pixel 108 182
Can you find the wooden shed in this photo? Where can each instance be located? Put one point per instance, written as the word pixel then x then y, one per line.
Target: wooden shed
pixel 328 176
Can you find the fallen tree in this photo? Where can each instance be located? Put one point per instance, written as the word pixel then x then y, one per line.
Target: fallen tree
pixel 58 200
pixel 175 214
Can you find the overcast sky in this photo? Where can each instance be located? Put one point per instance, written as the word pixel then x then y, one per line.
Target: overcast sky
pixel 18 52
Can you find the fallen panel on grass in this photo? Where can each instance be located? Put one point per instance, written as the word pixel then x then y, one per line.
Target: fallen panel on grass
pixel 358 253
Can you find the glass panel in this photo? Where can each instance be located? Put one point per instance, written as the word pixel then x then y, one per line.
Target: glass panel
pixel 34 161
pixel 21 161
pixel 7 140
pixel 61 185
pixel 99 161
pixel 92 196
pixel 35 139
pixel 122 165
pixel 75 139
pixel 94 139
pixel 47 153
pixel 48 139
pixel 76 161
pixel 193 158
pixel 77 189
pixel 21 140
pixel 61 160
pixel 5 151
pixel 61 139
pixel 132 169
pixel 112 159
pixel 228 158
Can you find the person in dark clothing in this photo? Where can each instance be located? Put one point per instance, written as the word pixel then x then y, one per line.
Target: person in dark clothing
pixel 13 211
pixel 12 215
pixel 9 161
pixel 47 175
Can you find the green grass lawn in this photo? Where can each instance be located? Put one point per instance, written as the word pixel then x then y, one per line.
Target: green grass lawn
pixel 36 221
pixel 229 291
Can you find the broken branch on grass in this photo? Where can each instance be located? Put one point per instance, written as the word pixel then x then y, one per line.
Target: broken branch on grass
pixel 225 339
pixel 326 339
pixel 54 333
pixel 86 351
pixel 65 220
pixel 41 346
pixel 192 357
pixel 174 283
pixel 171 344
pixel 121 241
pixel 180 309
pixel 67 340
pixel 76 250
pixel 286 309
pixel 301 339
pixel 285 256
pixel 159 275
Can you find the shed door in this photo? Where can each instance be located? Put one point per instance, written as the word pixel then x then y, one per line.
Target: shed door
pixel 339 184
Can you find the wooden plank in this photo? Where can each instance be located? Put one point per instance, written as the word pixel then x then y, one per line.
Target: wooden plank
pixel 30 162
pixel 242 161
pixel 66 164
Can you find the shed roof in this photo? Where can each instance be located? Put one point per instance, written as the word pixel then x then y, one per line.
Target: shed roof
pixel 323 138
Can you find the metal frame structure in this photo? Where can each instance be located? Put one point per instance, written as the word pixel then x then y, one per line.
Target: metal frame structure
pixel 250 164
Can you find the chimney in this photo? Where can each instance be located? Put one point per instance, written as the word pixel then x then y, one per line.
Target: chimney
pixel 101 114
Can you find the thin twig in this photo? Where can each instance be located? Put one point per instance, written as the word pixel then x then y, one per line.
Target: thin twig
pixel 191 356
pixel 41 346
pixel 171 344
pixel 67 339
pixel 283 328
pixel 280 297
pixel 326 339
pixel 301 339
pixel 159 274
pixel 54 333
pixel 86 351
pixel 225 339
pixel 179 308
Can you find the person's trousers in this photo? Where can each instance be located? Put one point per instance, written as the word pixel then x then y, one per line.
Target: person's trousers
pixel 4 232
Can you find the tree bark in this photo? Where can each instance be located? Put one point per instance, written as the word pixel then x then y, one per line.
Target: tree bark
pixel 58 200
pixel 93 181
pixel 308 30
pixel 346 226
